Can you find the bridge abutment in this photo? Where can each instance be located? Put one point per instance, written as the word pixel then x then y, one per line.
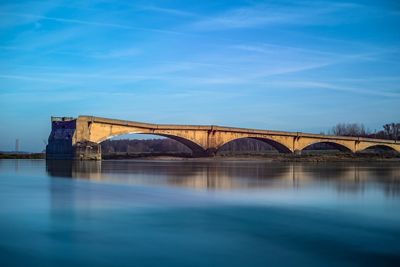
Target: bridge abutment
pixel 61 137
pixel 61 142
pixel 66 151
pixel 59 149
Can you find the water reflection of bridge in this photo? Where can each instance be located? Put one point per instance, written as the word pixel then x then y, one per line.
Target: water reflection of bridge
pixel 226 175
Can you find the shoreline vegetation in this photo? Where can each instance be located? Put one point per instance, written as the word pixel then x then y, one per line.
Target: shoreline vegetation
pixel 309 157
pixel 11 155
pixel 305 157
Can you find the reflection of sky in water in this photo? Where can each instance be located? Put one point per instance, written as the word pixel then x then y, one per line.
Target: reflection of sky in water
pixel 199 213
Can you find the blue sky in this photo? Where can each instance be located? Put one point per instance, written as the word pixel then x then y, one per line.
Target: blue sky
pixel 283 65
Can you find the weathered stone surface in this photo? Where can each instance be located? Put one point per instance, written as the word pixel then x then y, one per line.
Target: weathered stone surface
pixel 87 150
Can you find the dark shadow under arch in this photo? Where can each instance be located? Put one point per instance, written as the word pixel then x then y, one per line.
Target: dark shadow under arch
pixel 195 148
pixel 276 145
pixel 329 145
pixel 380 148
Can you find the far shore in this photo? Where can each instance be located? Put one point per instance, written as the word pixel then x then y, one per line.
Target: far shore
pixel 268 158
pixel 305 157
pixel 10 155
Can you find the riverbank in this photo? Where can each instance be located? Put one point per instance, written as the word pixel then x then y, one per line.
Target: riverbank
pixel 22 155
pixel 364 157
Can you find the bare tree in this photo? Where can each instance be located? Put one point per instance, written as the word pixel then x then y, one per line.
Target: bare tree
pixel 392 130
pixel 349 129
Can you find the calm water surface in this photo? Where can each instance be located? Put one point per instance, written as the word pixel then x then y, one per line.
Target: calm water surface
pixel 185 213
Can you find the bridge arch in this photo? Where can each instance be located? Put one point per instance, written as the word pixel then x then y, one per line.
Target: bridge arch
pixel 338 146
pixel 280 147
pixel 196 148
pixel 382 146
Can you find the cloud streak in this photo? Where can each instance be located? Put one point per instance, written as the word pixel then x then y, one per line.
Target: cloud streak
pixel 334 87
pixel 264 15
pixel 169 11
pixel 86 22
pixel 34 79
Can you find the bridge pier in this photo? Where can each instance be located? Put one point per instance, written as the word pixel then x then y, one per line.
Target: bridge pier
pixel 208 153
pixel 211 152
pixel 61 145
pixel 87 151
pixel 297 152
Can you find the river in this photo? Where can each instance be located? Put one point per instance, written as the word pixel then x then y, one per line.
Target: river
pixel 199 213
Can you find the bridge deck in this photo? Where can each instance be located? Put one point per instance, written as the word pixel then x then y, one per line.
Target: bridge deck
pixel 229 129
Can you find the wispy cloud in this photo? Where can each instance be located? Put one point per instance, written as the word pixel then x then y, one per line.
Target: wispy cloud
pixel 118 53
pixel 297 59
pixel 335 87
pixel 33 40
pixel 214 70
pixel 307 13
pixel 169 11
pixel 16 48
pixel 34 79
pixel 41 8
pixel 122 53
pixel 265 48
pixel 86 22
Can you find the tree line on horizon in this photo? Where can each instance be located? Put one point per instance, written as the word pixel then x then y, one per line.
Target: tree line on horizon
pixel 390 131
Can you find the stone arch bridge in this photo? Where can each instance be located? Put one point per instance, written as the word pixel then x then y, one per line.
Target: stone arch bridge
pixel 80 138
